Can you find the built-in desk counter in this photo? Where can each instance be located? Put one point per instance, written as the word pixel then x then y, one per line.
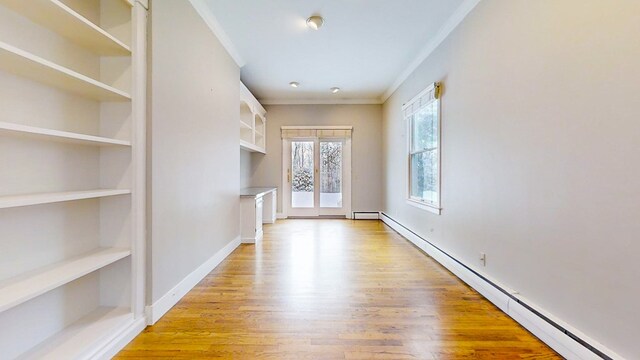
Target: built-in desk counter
pixel 257 206
pixel 256 191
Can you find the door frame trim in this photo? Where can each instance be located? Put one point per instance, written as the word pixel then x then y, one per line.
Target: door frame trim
pixel 287 176
pixel 345 210
pixel 286 169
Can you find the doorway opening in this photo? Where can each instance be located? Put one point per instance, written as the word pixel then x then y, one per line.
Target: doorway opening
pixel 317 172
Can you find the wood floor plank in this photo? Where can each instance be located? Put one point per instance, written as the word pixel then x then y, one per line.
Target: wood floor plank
pixel 333 289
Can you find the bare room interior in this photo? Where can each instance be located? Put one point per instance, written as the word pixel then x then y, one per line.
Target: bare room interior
pixel 328 179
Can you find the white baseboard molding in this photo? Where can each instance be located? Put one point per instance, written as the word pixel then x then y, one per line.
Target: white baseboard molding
pixel 366 215
pixel 255 240
pixel 155 311
pixel 116 343
pixel 556 336
pixel 281 216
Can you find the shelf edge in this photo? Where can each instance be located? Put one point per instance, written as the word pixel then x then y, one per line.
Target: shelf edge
pixel 97 259
pixel 56 197
pixel 58 135
pixel 53 67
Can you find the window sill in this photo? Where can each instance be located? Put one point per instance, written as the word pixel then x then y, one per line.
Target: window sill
pixel 424 206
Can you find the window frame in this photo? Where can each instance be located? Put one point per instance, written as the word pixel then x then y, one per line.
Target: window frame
pixel 425 98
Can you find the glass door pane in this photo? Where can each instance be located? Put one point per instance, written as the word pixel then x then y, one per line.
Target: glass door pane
pixel 331 174
pixel 302 177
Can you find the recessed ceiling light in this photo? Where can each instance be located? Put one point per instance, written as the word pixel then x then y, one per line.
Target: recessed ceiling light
pixel 294 84
pixel 335 90
pixel 315 22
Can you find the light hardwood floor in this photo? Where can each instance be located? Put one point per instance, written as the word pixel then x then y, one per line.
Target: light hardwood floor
pixel 334 289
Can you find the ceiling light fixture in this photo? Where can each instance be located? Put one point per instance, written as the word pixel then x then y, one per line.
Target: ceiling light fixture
pixel 315 22
pixel 294 84
pixel 335 90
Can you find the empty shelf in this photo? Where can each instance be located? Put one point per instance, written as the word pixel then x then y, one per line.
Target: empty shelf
pixel 56 135
pixel 22 63
pixel 48 198
pixel 63 20
pixel 25 287
pixel 251 147
pixel 78 339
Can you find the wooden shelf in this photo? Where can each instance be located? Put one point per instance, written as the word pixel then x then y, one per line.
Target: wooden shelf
pixel 16 291
pixel 80 338
pixel 18 130
pixel 24 64
pixel 48 198
pixel 63 20
pixel 245 125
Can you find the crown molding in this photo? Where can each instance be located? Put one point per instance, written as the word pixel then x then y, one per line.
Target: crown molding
pixel 372 101
pixel 456 18
pixel 205 13
pixel 335 127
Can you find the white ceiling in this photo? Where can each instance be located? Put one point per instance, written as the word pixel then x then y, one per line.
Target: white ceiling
pixel 363 47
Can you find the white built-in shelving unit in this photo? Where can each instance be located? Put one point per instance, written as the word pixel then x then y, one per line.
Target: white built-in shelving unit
pixel 253 122
pixel 72 178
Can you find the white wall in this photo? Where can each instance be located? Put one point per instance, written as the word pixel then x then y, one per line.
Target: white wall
pixel 541 154
pixel 194 139
pixel 245 169
pixel 366 147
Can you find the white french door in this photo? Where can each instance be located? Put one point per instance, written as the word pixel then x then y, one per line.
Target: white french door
pixel 317 176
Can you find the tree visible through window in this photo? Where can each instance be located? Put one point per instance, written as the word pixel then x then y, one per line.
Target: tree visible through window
pixel 331 166
pixel 423 116
pixel 302 162
pixel 330 173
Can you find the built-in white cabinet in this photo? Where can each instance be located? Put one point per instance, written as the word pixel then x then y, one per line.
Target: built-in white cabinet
pixel 258 217
pixel 253 122
pixel 72 176
pixel 257 206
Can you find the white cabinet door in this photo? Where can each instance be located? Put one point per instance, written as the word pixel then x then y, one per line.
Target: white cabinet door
pixel 259 203
pixel 270 207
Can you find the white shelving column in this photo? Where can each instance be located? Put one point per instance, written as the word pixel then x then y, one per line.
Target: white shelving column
pixel 72 176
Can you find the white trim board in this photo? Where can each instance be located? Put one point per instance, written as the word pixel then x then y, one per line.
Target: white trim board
pixel 320 101
pixel 207 15
pixel 112 346
pixel 144 3
pixel 366 215
pixel 254 240
pixel 506 300
pixel 451 24
pixel 157 310
pixel 280 216
pixel 329 127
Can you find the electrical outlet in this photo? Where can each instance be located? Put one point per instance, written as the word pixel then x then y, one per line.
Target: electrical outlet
pixel 483 259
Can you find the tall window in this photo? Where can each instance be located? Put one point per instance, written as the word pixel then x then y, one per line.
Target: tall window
pixel 422 115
